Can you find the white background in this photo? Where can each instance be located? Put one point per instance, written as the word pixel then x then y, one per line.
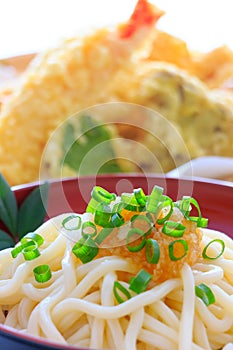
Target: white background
pixel 33 25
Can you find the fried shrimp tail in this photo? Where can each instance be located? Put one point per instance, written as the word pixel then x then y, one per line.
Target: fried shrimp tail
pixel 144 15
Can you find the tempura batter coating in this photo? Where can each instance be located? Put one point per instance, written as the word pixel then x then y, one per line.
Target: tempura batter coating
pixel 63 81
pixel 122 64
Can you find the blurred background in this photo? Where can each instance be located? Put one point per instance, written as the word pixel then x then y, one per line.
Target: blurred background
pixel 31 26
pixel 28 27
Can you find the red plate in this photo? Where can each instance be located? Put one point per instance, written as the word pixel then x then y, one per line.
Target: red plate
pixel 72 195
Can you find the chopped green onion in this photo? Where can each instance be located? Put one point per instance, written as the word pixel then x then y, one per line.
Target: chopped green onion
pixel 185 207
pixel 102 196
pixel 34 237
pixel 31 252
pixel 201 222
pixel 29 246
pixel 92 205
pixel 117 207
pixel 89 229
pixel 173 229
pixel 103 234
pixel 154 199
pixel 135 232
pixel 203 292
pixel 72 222
pixel 152 251
pixel 130 203
pixel 128 198
pixel 138 221
pixel 131 207
pixel 166 202
pixel 206 256
pixel 17 250
pixel 196 205
pixel 102 215
pixel 87 251
pixel 42 273
pixel 119 287
pixel 171 248
pixel 116 220
pixel 140 196
pixel 140 282
pixel 80 243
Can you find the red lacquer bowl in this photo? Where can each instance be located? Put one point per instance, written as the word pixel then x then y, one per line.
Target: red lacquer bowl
pixel 72 195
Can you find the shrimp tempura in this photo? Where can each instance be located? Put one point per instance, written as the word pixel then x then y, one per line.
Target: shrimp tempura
pixel 61 82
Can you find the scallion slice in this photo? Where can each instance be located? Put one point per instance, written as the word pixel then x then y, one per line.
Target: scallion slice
pixel 139 221
pixel 80 243
pixel 89 229
pixel 201 222
pixel 102 215
pixel 31 252
pixel 173 229
pixel 116 220
pixel 92 206
pixel 152 251
pixel 203 292
pixel 17 250
pixel 87 251
pixel 185 206
pixel 118 207
pixel 173 245
pixel 118 287
pixel 38 239
pixel 72 222
pixel 207 256
pixel 128 198
pixel 42 273
pixel 196 205
pixel 139 235
pixel 131 207
pixel 130 203
pixel 166 202
pixel 102 196
pixel 140 196
pixel 154 199
pixel 140 282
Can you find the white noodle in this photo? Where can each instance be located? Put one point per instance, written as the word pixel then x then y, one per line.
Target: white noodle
pixel 135 324
pixel 200 334
pixel 187 313
pixel 77 306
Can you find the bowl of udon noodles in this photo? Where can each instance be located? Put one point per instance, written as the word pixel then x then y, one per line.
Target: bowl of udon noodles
pixel 123 261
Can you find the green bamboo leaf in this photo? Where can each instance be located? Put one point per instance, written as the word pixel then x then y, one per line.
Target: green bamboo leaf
pixel 6 241
pixel 32 211
pixel 8 206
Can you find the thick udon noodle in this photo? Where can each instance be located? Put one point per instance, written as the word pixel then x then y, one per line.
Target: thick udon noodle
pixel 77 305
